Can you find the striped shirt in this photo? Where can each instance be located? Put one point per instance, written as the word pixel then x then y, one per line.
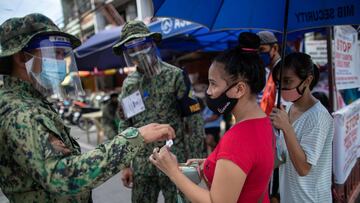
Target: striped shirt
pixel 314 130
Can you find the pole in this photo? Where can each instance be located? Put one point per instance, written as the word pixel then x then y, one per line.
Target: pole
pixel 330 69
pixel 283 48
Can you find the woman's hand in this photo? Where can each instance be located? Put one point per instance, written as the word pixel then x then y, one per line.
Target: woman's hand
pixel 164 160
pixel 192 161
pixel 280 118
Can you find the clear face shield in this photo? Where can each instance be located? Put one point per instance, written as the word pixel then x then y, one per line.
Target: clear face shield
pixel 52 67
pixel 142 53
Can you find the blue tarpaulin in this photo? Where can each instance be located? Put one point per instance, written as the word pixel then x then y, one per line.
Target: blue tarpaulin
pixel 178 36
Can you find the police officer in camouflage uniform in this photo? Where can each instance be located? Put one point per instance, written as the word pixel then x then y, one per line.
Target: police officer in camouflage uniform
pixel 39 160
pixel 163 95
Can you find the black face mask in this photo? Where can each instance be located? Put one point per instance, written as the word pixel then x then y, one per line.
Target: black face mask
pixel 222 104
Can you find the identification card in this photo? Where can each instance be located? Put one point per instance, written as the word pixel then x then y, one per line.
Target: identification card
pixel 133 104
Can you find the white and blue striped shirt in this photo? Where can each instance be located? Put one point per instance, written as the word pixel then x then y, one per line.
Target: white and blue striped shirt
pixel 314 130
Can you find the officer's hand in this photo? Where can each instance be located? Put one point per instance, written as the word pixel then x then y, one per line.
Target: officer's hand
pixel 127 177
pixel 157 132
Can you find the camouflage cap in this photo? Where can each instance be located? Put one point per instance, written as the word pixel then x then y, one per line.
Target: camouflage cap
pixel 133 30
pixel 15 33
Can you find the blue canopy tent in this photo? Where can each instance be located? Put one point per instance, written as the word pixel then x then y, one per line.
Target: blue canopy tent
pixel 178 36
pixel 97 52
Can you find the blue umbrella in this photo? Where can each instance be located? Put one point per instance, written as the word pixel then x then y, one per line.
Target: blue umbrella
pixel 262 14
pixel 277 15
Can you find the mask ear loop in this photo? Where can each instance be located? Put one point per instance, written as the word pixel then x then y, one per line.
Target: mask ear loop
pixel 29 66
pixel 297 88
pixel 230 62
pixel 32 55
pixel 271 58
pixel 312 72
pixel 31 75
pixel 233 85
pixel 29 54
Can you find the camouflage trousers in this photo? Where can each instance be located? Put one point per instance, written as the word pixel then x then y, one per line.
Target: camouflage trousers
pixel 146 189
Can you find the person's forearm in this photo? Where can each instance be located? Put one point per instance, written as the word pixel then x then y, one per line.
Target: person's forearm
pixel 296 153
pixel 123 125
pixel 193 192
pixel 77 173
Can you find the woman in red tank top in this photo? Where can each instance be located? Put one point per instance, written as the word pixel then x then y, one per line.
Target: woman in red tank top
pixel 239 168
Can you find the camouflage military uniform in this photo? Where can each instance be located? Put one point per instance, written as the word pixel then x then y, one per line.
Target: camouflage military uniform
pixel 109 119
pixel 33 168
pixel 39 160
pixel 167 99
pixel 160 95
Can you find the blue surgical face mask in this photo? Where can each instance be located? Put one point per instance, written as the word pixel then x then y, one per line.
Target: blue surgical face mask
pixel 53 72
pixel 265 57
